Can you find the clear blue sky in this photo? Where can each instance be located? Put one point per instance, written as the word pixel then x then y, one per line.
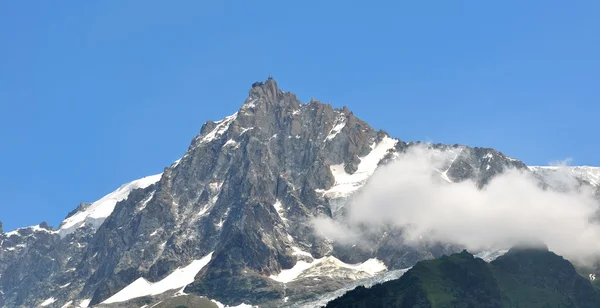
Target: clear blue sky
pixel 94 94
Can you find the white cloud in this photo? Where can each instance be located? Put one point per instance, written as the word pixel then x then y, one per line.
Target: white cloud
pixel 512 208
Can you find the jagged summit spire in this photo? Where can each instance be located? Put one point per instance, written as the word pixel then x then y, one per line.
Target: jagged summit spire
pixel 266 95
pixel 267 88
pixel 270 83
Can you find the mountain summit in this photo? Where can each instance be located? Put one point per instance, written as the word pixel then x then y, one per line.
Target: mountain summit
pixel 230 220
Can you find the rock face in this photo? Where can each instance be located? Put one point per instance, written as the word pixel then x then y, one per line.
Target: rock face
pixel 523 277
pixel 245 191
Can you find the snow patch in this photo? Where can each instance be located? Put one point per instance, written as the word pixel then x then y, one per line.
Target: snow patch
pixel 231 143
pixel 65 285
pixel 179 278
pixel 67 304
pixel 180 292
pixel 98 211
pixel 35 228
pixel 176 163
pixel 444 174
pixel 300 252
pixel 331 267
pixel 511 159
pixel 204 210
pixel 85 303
pixel 291 274
pixel 244 130
pixel 587 173
pixel 48 301
pixel 339 124
pixel 220 129
pixel 346 184
pixel 279 208
pixel 322 300
pixel 490 255
pixel 215 186
pixel 249 103
pixel 145 202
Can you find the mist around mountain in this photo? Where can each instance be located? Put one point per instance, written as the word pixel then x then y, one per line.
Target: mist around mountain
pixel 514 205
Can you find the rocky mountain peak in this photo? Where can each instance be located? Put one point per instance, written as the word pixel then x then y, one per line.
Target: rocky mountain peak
pixel 277 118
pixel 268 87
pixel 267 94
pixel 242 199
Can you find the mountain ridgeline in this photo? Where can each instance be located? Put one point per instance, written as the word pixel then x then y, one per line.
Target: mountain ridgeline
pixel 231 220
pixel 523 277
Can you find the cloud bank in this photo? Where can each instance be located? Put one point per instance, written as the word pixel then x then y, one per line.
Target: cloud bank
pixel 410 194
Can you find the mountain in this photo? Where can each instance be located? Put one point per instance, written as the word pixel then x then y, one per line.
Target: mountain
pixel 231 219
pixel 523 277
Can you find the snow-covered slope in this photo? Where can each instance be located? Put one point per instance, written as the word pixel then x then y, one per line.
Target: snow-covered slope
pixel 97 212
pixel 179 278
pixel 36 228
pixel 48 302
pixel 323 299
pixel 588 174
pixel 347 184
pixel 330 267
pixel 491 254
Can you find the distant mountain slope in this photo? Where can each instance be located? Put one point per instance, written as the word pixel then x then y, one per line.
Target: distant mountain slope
pixel 523 277
pixel 556 175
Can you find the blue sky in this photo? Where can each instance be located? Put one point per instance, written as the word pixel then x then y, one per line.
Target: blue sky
pixel 94 94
